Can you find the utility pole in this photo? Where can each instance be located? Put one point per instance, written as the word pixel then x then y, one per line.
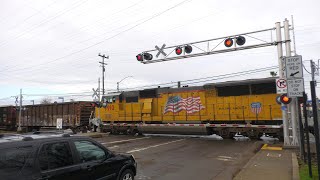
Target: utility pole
pixel 315 113
pixel 20 109
pixel 99 97
pixel 103 69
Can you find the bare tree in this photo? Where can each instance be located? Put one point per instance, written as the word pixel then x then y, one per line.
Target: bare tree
pixel 46 100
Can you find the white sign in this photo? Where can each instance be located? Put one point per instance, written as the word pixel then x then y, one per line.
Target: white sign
pixel 59 123
pixel 294 67
pixel 281 86
pixel 295 87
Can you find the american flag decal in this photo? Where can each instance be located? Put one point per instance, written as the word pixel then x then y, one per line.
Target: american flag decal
pixel 176 104
pixel 256 107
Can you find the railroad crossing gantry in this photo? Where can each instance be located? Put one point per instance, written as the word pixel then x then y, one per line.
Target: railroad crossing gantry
pixel 236 43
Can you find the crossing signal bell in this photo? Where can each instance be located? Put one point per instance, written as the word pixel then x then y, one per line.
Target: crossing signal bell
pixel 240 40
pixel 187 49
pixel 285 99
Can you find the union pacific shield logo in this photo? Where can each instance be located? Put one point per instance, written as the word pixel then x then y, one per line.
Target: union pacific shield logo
pixel 256 107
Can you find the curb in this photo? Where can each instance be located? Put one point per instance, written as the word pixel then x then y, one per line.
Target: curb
pixel 295 167
pixel 237 175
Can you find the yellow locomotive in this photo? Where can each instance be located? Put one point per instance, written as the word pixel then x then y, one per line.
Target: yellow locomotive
pixel 247 106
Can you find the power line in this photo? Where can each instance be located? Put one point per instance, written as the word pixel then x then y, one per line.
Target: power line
pixel 75 5
pixel 89 25
pixel 117 34
pixel 31 16
pixel 190 81
pixel 206 79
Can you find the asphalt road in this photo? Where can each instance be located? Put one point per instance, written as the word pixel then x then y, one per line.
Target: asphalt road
pixel 170 158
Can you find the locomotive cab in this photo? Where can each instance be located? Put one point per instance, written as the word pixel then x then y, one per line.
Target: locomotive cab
pixel 109 111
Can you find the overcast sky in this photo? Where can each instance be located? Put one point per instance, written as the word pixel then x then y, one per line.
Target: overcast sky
pixel 51 46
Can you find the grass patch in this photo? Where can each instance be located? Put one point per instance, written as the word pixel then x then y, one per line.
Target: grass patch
pixel 304 172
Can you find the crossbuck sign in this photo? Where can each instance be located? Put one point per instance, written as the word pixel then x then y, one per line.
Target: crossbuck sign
pixel 95 93
pixel 161 50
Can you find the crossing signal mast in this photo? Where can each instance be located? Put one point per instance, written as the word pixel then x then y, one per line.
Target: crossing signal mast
pixel 233 43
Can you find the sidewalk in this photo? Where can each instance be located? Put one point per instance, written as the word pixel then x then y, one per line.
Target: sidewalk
pixel 271 163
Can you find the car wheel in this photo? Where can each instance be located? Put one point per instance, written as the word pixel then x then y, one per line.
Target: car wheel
pixel 127 175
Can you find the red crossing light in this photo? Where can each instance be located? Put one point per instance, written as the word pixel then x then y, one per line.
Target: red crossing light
pixel 139 57
pixel 285 99
pixel 178 50
pixel 187 49
pixel 228 42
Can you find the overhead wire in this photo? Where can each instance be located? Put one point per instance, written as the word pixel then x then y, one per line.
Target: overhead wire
pixel 73 33
pixel 111 37
pixel 33 15
pixel 206 79
pixel 172 84
pixel 75 5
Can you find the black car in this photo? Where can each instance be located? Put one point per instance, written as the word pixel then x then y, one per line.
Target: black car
pixel 41 157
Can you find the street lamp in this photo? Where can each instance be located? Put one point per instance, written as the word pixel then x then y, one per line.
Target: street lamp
pixel 121 81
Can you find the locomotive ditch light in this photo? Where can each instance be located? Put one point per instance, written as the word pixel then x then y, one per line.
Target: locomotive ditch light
pixel 228 42
pixel 285 99
pixel 139 57
pixel 240 40
pixel 188 49
pixel 147 56
pixel 178 50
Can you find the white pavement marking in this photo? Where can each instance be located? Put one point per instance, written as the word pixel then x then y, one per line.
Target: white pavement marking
pixel 222 159
pixel 228 157
pixel 142 149
pixel 113 147
pixel 225 158
pixel 125 140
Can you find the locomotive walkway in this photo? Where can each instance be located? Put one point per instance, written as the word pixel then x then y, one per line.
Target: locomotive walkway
pixel 271 163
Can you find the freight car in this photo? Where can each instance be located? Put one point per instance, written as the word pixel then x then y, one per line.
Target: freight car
pixel 74 115
pixel 248 107
pixel 8 118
